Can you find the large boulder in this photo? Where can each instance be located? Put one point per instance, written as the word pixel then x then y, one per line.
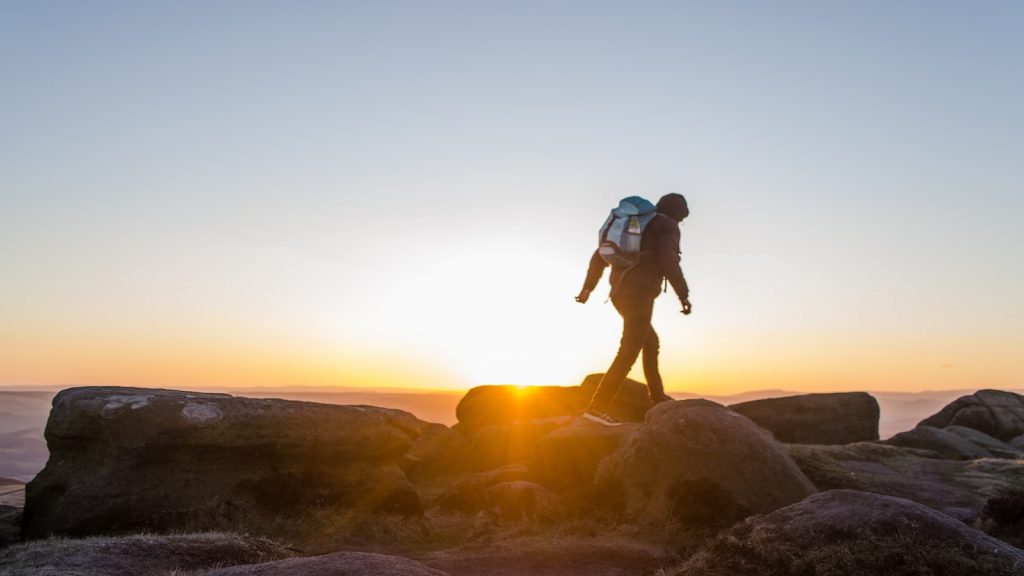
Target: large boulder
pixel 129 459
pixel 701 464
pixel 141 555
pixel 567 458
pixel 943 443
pixel 849 532
pixel 994 446
pixel 469 493
pixel 523 499
pixel 336 564
pixel 503 405
pixel 958 488
pixel 631 402
pixel 994 412
pixel 437 452
pixel 490 447
pixel 839 418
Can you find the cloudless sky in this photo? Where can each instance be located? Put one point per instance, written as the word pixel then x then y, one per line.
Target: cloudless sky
pixel 406 194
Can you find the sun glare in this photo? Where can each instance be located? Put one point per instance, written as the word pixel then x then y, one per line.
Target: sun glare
pixel 496 321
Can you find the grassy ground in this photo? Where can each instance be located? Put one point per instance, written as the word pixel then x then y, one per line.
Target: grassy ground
pixel 142 555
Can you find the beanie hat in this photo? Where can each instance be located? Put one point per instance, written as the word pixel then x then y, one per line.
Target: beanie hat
pixel 674 206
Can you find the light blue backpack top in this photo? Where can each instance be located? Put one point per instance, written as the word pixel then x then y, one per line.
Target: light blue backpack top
pixel 619 239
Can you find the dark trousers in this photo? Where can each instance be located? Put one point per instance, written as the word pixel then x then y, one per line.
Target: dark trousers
pixel 637 335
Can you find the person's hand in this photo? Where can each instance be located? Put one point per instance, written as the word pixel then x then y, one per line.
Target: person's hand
pixel 583 296
pixel 687 307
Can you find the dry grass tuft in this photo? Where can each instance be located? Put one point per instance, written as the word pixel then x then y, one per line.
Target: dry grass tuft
pixel 765 553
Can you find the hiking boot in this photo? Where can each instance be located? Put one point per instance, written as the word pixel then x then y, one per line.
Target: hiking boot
pixel 601 417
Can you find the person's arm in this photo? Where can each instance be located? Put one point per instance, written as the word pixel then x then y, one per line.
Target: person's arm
pixel 594 273
pixel 667 252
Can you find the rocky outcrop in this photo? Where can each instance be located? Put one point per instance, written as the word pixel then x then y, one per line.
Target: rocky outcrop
pixel 523 499
pixel 336 564
pixel 127 460
pixel 567 458
pixel 942 443
pixel 849 532
pixel 490 447
pixel 136 555
pixel 995 412
pixel 994 446
pixel 630 404
pixel 505 425
pixel 701 464
pixel 839 418
pixel 503 405
pixel 437 451
pixel 469 493
pixel 10 525
pixel 958 488
pixel 567 554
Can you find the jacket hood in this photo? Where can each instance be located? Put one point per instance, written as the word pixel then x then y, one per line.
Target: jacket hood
pixel 674 206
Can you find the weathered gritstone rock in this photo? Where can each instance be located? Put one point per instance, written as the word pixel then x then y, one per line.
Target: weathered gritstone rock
pixel 503 405
pixel 994 446
pixel 126 459
pixel 468 494
pixel 567 458
pixel 523 499
pixel 437 452
pixel 631 403
pixel 957 488
pixel 995 412
pixel 849 532
pixel 565 555
pixel 336 564
pixel 489 447
pixel 701 464
pixel 10 525
pixel 839 418
pixel 142 555
pixel 944 443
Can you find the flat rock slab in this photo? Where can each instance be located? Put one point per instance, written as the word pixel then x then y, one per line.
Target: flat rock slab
pixel 336 564
pixel 135 459
pixel 503 405
pixel 850 532
pixel 607 556
pixel 959 488
pixel 839 418
pixel 148 555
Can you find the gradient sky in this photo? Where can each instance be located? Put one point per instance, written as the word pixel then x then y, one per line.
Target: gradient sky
pixel 406 194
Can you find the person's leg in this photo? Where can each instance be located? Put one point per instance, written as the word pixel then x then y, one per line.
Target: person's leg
pixel 650 360
pixel 636 325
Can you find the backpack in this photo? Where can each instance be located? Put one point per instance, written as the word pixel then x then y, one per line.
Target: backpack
pixel 619 239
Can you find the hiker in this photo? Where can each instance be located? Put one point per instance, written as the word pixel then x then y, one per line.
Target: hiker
pixel 636 279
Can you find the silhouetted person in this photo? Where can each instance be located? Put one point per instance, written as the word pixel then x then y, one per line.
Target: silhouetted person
pixel 633 292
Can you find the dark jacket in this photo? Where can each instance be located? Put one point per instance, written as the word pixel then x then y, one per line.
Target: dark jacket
pixel 659 257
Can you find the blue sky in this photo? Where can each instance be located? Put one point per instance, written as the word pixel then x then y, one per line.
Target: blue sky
pixel 355 185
